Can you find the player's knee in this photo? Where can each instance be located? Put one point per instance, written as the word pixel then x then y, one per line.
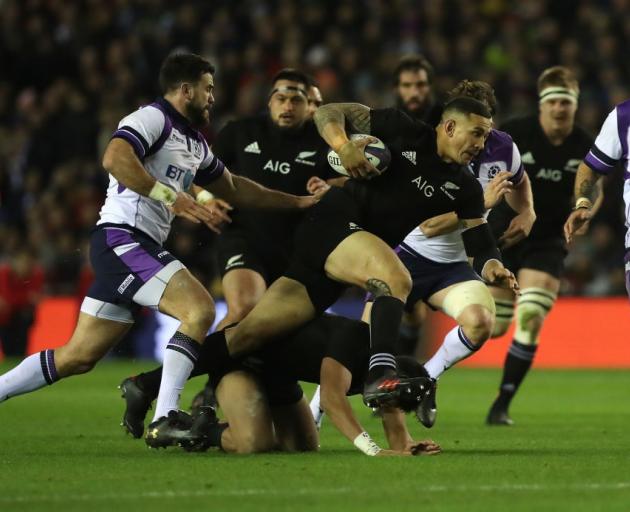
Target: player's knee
pixel 533 306
pixel 504 317
pixel 477 322
pixel 255 442
pixel 199 312
pixel 69 362
pixel 240 309
pixel 399 283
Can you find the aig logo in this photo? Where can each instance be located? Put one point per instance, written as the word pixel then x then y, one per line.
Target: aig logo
pixel 549 174
pixel 423 186
pixel 275 166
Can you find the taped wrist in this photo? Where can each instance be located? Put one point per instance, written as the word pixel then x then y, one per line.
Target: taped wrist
pixel 480 246
pixel 204 196
pixel 163 193
pixel 364 443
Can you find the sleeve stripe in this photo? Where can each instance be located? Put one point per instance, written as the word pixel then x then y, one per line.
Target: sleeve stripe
pixel 597 165
pixel 134 133
pixel 135 143
pixel 602 157
pixel 517 177
pixel 210 173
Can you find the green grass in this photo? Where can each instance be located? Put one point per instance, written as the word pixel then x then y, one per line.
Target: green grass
pixel 61 449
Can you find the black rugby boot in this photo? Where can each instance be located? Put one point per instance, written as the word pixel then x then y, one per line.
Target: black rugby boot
pixel 137 403
pixel 169 430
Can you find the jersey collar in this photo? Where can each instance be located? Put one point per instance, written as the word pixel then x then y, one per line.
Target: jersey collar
pixel 179 121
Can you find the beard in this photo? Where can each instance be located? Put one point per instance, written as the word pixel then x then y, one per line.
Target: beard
pixel 196 115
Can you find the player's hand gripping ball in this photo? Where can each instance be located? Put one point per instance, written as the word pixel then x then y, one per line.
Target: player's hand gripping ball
pixel 376 153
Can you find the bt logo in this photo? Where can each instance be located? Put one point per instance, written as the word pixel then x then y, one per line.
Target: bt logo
pixel 176 173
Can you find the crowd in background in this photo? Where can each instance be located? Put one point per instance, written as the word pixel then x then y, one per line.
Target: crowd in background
pixel 71 70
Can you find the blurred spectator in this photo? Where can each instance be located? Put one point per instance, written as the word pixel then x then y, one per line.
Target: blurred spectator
pixel 21 287
pixel 70 70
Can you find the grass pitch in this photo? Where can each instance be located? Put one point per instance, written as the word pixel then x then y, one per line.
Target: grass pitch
pixel 61 449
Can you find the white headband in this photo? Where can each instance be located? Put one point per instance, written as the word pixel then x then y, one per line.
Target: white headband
pixel 556 92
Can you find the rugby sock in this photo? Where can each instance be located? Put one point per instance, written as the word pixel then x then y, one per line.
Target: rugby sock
pixel 32 373
pixel 517 363
pixel 385 319
pixel 316 411
pixel 179 359
pixel 455 347
pixel 408 339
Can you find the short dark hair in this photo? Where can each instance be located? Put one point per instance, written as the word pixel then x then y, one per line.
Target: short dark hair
pixel 293 75
pixel 182 67
pixel 466 105
pixel 476 89
pixel 412 63
pixel 559 76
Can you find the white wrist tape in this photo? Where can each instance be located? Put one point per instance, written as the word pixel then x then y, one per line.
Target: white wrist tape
pixel 163 193
pixel 364 443
pixel 204 196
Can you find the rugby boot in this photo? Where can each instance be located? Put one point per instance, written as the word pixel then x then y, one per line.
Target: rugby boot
pixel 499 416
pixel 169 430
pixel 200 436
pixel 205 398
pixel 137 403
pixel 390 388
pixel 426 412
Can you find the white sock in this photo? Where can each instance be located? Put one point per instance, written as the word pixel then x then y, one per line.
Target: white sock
pixel 179 360
pixel 318 414
pixel 455 347
pixel 32 373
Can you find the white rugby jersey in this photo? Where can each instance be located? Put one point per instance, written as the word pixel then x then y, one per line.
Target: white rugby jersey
pixel 611 147
pixel 499 154
pixel 173 153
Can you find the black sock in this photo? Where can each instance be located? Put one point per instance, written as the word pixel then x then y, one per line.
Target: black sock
pixel 385 320
pixel 517 363
pixel 215 433
pixel 408 340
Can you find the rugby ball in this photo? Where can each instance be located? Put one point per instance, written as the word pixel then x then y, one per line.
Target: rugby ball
pixel 377 154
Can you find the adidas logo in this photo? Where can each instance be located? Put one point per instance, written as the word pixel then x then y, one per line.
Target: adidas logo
pixel 410 155
pixel 252 148
pixel 528 158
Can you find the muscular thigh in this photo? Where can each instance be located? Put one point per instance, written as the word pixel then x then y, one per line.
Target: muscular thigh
pixel 183 293
pixel 243 288
pixel 285 306
pixel 360 257
pixel 530 278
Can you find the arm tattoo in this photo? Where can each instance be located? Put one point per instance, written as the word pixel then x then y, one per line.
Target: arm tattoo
pixel 357 115
pixel 586 188
pixel 378 288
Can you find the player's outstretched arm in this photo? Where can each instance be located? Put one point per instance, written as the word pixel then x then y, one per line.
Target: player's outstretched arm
pixel 219 208
pixel 121 162
pixel 481 247
pixel 589 194
pixel 398 436
pixel 440 225
pixel 521 201
pixel 331 122
pixel 244 193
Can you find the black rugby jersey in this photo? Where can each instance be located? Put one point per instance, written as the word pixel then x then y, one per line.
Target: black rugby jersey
pixel 551 170
pixel 417 185
pixel 280 159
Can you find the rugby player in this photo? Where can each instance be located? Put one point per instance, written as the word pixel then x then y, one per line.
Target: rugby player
pixel 261 394
pixel 348 239
pixel 552 147
pixel 435 257
pixel 413 81
pixel 153 158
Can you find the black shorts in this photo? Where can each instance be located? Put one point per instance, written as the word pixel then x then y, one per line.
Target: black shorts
pixel 323 228
pixel 429 277
pixel 237 250
pixel 280 389
pixel 545 255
